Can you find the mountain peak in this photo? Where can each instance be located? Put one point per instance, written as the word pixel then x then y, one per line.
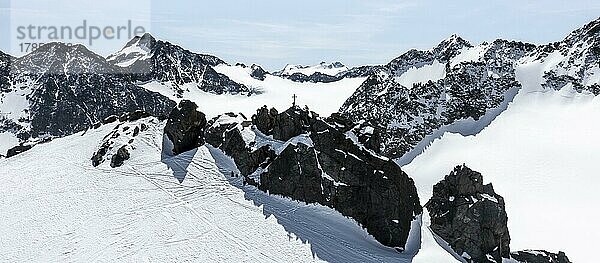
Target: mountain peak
pixel 138 48
pixel 590 30
pixel 145 38
pixel 451 46
pixel 61 58
pixel 454 41
pixel 4 56
pixel 592 27
pixel 147 41
pixel 61 47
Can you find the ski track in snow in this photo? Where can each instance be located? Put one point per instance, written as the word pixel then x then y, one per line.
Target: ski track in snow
pixel 56 207
pixel 539 149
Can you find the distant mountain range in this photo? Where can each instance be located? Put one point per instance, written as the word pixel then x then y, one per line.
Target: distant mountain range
pixel 155 133
pixel 61 89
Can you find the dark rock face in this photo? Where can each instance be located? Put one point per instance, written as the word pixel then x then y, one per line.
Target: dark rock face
pixel 470 216
pixel 364 131
pixel 69 89
pixel 284 126
pixel 264 119
pixel 360 72
pixel 316 77
pixel 5 62
pixel 18 150
pixel 323 166
pixel 539 256
pixel 291 123
pixel 98 156
pixel 302 180
pixel 372 190
pixel 228 138
pixel 185 127
pixel 258 72
pixel 63 105
pixel 118 159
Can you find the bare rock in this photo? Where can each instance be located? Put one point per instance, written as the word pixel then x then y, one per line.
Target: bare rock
pixel 470 216
pixel 185 127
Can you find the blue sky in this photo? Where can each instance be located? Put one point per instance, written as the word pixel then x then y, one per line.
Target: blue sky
pixel 274 33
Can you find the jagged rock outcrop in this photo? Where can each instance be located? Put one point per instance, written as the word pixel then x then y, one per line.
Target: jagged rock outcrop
pixel 185 127
pixel 291 123
pixel 18 150
pixel 405 111
pixel 25 146
pixel 311 160
pixel 539 256
pixel 63 89
pixel 325 73
pixel 362 133
pixel 360 71
pixel 257 72
pixel 120 157
pixel 146 59
pixel 264 119
pixel 118 145
pixel 225 132
pixel 470 216
pixel 581 55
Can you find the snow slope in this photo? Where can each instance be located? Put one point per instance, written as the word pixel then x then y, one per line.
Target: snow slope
pixel 7 141
pixel 414 75
pixel 542 155
pixel 331 69
pixel 56 207
pixel 323 98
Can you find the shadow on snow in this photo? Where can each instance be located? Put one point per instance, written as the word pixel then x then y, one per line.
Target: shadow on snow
pixel 332 237
pixel 177 163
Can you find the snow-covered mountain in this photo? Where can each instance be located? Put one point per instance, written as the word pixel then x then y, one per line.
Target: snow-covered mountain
pixel 58 90
pixel 330 69
pixel 541 153
pixel 110 187
pixel 61 89
pixel 574 61
pixel 149 59
pixel 461 88
pixel 324 73
pixel 61 59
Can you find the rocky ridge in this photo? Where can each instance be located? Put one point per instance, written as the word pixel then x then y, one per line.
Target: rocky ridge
pixel 459 87
pixel 405 115
pixel 299 155
pixel 148 59
pixel 55 91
